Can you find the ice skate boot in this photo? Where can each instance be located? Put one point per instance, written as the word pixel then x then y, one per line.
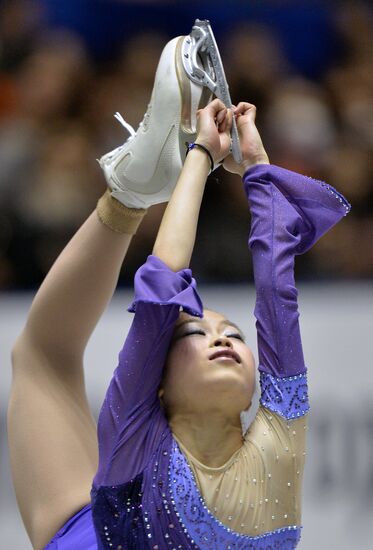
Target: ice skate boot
pixel 144 170
pixel 203 64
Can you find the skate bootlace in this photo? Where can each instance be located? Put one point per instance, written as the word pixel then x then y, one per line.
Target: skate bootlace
pixel 115 152
pixel 125 124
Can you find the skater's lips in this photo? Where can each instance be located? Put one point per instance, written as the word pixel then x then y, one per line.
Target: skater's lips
pixel 226 353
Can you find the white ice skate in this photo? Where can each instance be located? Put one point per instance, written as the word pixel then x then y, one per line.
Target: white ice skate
pixel 144 170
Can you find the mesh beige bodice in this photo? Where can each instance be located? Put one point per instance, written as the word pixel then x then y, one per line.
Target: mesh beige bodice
pixel 259 488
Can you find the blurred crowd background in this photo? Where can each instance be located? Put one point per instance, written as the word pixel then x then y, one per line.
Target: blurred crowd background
pixel 67 67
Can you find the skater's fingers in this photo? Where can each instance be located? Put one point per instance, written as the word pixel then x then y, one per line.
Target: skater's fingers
pixel 223 122
pixel 215 110
pixel 220 117
pixel 215 106
pixel 226 125
pixel 229 121
pixel 244 108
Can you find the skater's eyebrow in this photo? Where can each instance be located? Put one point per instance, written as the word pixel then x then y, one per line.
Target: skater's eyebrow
pixel 188 321
pixel 231 324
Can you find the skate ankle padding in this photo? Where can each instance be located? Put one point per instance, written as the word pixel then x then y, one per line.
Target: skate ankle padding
pixel 117 216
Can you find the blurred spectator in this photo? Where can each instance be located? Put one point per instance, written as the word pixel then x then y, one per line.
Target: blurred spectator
pixel 256 62
pixel 48 87
pixel 299 126
pixel 125 85
pixel 56 117
pixel 19 22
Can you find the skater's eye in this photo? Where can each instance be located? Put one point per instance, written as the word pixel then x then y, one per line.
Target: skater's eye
pixel 194 331
pixel 188 331
pixel 235 335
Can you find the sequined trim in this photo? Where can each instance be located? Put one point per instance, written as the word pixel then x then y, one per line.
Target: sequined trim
pixel 205 530
pixel 334 192
pixel 287 396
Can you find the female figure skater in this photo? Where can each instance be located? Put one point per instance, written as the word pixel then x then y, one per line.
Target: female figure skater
pixel 173 468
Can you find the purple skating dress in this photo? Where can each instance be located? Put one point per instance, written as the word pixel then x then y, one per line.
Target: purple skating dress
pixel 146 493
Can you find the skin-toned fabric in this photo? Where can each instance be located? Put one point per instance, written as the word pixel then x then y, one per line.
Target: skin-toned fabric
pixel 149 492
pixel 259 488
pixel 117 216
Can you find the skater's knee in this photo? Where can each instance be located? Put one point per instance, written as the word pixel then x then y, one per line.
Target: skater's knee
pixel 24 352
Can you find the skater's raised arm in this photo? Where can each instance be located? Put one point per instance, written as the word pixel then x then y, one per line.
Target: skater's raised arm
pixel 131 421
pixel 289 213
pixel 176 236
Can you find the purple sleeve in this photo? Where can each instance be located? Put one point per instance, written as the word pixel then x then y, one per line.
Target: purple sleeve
pixel 289 213
pixel 131 423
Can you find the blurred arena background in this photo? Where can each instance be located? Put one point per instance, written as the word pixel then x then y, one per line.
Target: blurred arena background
pixel 66 67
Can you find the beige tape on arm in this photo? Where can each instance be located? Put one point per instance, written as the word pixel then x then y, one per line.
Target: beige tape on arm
pixel 118 217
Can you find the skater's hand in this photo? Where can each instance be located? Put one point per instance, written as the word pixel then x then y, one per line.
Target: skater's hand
pixel 214 124
pixel 252 148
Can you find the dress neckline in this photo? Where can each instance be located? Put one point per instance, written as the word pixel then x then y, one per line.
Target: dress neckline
pixel 209 469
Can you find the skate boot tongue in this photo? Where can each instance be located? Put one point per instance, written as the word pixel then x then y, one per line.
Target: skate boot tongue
pixel 203 65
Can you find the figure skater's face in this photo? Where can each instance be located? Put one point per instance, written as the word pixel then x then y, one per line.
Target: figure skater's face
pixel 208 367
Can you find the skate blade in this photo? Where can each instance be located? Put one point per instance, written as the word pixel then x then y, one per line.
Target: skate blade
pixel 203 65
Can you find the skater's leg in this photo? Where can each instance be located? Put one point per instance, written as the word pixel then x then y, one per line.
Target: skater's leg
pixel 52 434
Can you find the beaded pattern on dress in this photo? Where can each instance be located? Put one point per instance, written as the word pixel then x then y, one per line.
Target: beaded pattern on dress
pixel 118 517
pixel 204 529
pixel 286 396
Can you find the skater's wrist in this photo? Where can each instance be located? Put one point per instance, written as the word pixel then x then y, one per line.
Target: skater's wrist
pixel 201 155
pixel 246 164
pixel 204 150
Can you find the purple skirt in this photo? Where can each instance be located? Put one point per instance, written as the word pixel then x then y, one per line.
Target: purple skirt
pixel 77 532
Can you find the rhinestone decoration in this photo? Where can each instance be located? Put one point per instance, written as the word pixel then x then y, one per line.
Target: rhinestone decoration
pixel 117 515
pixel 206 530
pixel 286 396
pixel 338 196
pixel 163 508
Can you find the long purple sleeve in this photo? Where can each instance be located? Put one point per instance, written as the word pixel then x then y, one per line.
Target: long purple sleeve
pixel 131 423
pixel 145 494
pixel 290 212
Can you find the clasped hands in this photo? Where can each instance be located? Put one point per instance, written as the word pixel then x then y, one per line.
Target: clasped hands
pixel 214 124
